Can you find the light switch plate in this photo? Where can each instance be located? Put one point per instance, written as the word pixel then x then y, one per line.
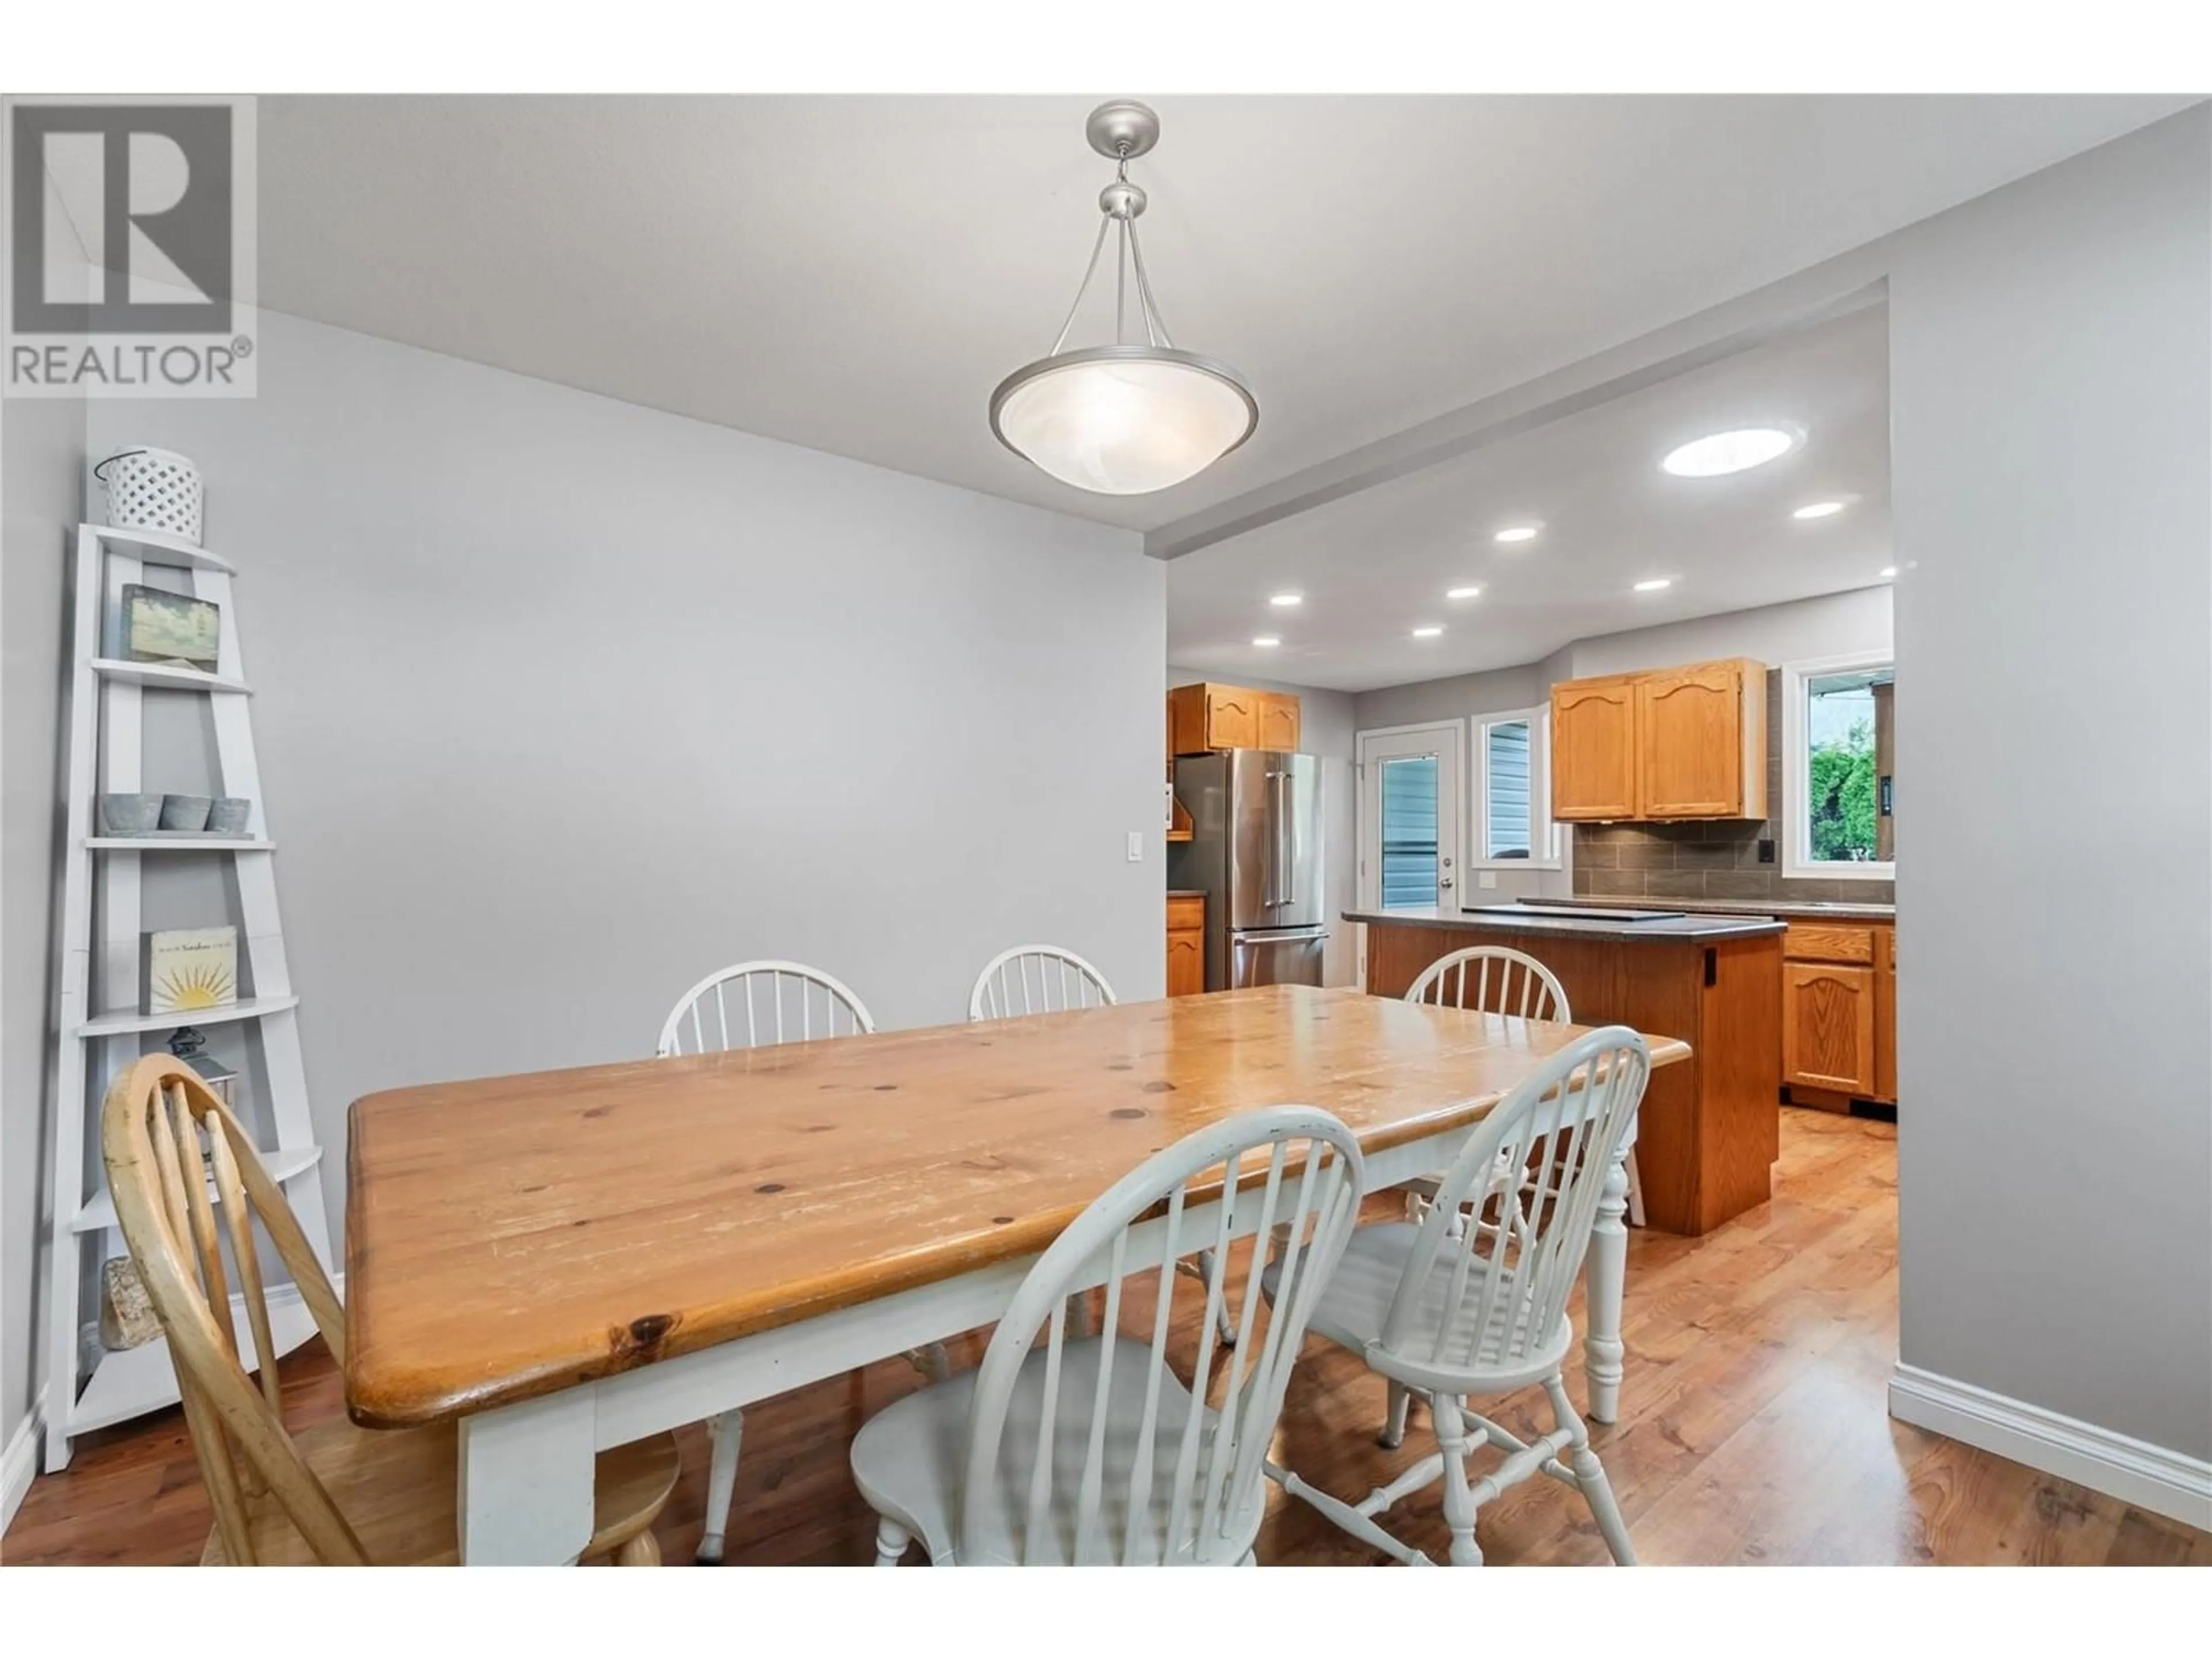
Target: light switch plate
pixel 1136 847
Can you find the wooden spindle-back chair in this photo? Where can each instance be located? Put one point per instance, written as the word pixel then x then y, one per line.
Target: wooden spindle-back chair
pixel 758 1005
pixel 750 1004
pixel 1092 1451
pixel 187 1179
pixel 1036 979
pixel 1473 1300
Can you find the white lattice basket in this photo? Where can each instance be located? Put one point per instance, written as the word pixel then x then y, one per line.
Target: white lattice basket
pixel 152 489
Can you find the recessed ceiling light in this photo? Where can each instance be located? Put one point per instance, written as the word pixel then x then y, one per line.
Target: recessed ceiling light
pixel 1889 570
pixel 1428 631
pixel 1520 532
pixel 1266 640
pixel 1818 510
pixel 1729 452
pixel 1462 593
pixel 1286 600
pixel 1654 584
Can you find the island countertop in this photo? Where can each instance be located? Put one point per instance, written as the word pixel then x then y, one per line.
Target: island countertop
pixel 1690 927
pixel 1805 909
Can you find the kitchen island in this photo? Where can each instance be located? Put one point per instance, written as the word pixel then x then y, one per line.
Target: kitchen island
pixel 1708 1133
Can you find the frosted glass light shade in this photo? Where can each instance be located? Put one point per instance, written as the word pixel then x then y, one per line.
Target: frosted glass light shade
pixel 1123 420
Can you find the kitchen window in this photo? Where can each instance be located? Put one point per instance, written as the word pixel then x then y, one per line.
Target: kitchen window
pixel 1838 758
pixel 1513 792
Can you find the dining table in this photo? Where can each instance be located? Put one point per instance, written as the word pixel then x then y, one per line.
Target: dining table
pixel 562 1262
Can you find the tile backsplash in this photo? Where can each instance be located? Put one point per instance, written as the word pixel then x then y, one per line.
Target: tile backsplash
pixel 1717 858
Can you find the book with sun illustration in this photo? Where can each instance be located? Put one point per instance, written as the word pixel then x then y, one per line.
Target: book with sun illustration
pixel 190 968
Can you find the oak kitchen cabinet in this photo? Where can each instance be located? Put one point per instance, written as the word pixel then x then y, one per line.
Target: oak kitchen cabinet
pixel 1594 749
pixel 1206 717
pixel 1840 1013
pixel 1677 743
pixel 1186 943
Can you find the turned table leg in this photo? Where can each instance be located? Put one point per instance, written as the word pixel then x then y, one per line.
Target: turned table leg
pixel 1607 1271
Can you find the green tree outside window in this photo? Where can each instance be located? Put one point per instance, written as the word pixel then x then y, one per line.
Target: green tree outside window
pixel 1841 796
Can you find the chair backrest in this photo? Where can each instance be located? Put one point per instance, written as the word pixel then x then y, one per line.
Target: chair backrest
pixel 159 1176
pixel 750 1004
pixel 1494 979
pixel 1135 1479
pixel 1036 979
pixel 1482 1297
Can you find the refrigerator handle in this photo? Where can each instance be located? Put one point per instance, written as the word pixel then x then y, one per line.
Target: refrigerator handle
pixel 1272 893
pixel 1286 832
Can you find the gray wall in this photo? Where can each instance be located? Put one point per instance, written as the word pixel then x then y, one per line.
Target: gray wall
pixel 2051 348
pixel 1773 634
pixel 563 702
pixel 1326 728
pixel 41 460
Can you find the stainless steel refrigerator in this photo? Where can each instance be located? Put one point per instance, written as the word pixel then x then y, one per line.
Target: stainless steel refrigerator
pixel 1255 851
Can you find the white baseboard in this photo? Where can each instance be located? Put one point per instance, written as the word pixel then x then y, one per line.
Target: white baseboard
pixel 2155 1478
pixel 21 1461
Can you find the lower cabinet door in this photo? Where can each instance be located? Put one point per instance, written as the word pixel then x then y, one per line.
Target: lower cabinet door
pixel 1186 962
pixel 1827 1027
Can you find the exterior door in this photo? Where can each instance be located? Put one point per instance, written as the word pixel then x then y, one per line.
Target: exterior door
pixel 1409 795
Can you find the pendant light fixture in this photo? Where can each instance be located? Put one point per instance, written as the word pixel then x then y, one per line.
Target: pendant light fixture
pixel 1123 419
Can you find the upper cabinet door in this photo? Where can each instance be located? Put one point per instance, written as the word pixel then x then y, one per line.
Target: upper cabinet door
pixel 1232 718
pixel 1594 749
pixel 1278 721
pixel 1691 722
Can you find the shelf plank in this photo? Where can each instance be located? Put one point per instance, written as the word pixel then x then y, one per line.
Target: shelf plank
pixel 165 678
pixel 131 1382
pixel 122 1024
pixel 282 1165
pixel 157 547
pixel 177 844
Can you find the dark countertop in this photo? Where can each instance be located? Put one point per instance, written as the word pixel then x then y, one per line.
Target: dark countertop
pixel 1810 909
pixel 1186 892
pixel 1674 931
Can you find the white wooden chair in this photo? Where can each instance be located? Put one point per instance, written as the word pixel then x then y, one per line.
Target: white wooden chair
pixel 1092 1451
pixel 753 1005
pixel 1036 979
pixel 335 1493
pixel 1456 1308
pixel 1504 982
pixel 1044 979
pixel 776 1002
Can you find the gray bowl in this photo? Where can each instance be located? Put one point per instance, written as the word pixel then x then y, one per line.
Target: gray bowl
pixel 130 815
pixel 186 812
pixel 229 816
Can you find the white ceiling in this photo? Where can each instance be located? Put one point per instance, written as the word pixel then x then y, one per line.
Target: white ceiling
pixel 856 274
pixel 1375 565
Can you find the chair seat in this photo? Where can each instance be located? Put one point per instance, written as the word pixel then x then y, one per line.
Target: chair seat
pixel 1356 1303
pixel 398 1488
pixel 907 1461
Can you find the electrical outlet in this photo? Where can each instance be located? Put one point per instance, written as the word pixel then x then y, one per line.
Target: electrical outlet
pixel 1766 851
pixel 1485 879
pixel 1136 847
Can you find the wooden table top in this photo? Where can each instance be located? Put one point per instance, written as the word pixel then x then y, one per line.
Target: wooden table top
pixel 512 1236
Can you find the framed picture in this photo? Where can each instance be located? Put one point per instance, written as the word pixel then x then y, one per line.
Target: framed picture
pixel 190 968
pixel 172 629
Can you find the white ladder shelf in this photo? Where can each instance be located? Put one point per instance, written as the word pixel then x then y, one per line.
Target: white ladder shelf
pixel 98 1031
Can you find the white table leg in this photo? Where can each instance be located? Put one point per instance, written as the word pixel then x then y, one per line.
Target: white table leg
pixel 525 1482
pixel 1606 1274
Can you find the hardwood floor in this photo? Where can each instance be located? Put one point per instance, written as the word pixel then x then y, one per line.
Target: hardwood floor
pixel 1753 1429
